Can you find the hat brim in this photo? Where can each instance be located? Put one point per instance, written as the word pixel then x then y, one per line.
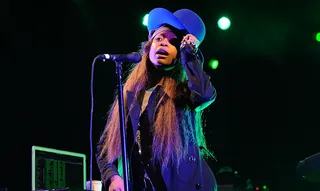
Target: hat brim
pixel 160 16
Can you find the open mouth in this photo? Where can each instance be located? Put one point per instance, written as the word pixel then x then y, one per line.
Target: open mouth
pixel 162 52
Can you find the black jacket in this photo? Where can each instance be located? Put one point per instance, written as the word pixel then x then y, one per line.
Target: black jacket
pixel 193 173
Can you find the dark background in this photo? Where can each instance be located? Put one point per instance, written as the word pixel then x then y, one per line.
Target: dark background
pixel 263 122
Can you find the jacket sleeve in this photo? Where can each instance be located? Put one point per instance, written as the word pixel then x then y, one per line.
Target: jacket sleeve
pixel 107 170
pixel 201 91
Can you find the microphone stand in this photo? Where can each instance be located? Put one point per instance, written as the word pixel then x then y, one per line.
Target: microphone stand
pixel 122 126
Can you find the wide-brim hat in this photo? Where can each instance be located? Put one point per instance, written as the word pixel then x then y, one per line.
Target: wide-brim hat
pixel 182 19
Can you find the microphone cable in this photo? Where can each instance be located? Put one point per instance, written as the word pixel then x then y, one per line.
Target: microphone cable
pixel 91 118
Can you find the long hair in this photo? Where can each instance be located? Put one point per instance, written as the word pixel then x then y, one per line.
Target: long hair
pixel 173 128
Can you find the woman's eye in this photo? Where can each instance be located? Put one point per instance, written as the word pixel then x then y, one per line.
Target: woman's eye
pixel 158 38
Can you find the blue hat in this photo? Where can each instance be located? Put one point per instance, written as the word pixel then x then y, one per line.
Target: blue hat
pixel 182 19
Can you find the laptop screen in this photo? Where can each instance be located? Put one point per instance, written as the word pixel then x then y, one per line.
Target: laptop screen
pixel 57 169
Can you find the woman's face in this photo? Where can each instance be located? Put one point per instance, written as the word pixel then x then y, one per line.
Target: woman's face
pixel 163 51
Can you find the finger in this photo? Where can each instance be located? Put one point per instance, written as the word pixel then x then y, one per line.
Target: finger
pixel 114 188
pixel 191 40
pixel 185 38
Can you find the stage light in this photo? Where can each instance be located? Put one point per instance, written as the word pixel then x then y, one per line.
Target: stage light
pixel 264 187
pixel 224 23
pixel 145 19
pixel 213 63
pixel 318 37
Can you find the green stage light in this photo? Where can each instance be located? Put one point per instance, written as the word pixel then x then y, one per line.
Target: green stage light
pixel 224 23
pixel 213 63
pixel 145 20
pixel 318 37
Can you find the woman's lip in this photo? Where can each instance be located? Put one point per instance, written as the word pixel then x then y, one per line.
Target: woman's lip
pixel 163 52
pixel 161 56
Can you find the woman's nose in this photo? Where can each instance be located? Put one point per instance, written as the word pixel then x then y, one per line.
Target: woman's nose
pixel 164 42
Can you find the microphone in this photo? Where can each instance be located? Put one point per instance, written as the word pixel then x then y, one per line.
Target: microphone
pixel 134 57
